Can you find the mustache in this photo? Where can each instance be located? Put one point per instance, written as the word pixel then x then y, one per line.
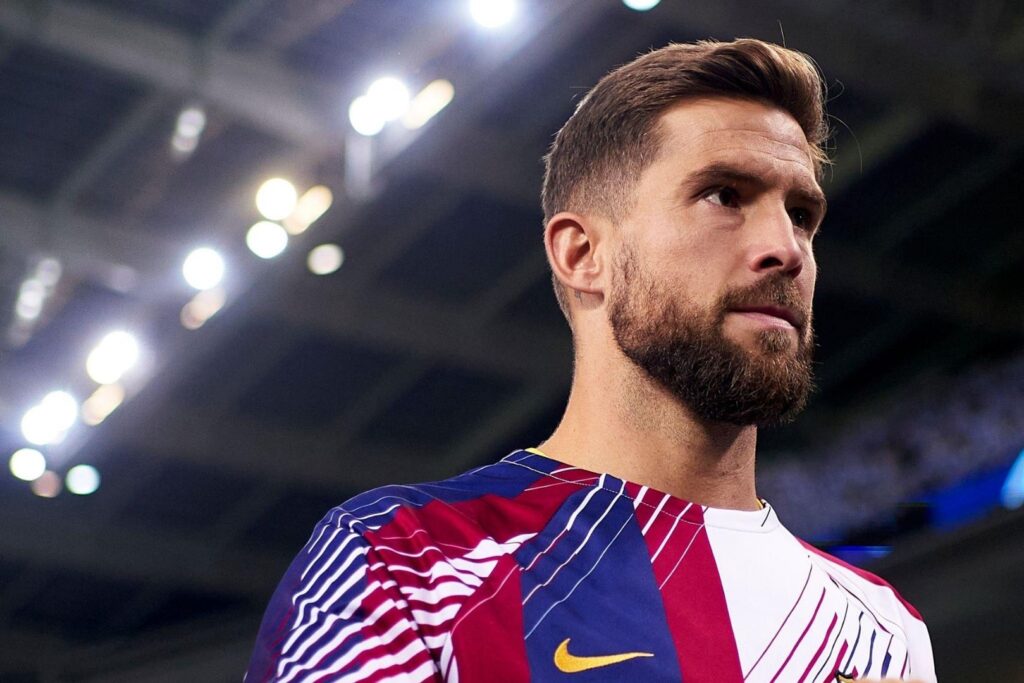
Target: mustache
pixel 777 289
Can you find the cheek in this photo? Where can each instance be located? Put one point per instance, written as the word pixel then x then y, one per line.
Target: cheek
pixel 809 277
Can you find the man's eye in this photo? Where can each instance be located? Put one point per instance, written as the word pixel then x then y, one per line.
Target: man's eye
pixel 802 218
pixel 723 196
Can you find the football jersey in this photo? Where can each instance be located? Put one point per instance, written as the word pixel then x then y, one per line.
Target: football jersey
pixel 529 569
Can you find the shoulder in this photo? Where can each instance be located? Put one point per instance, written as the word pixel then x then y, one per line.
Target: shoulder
pixel 880 591
pixel 487 511
pixel 465 498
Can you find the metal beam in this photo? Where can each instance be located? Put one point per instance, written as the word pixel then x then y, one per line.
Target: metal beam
pixel 388 320
pixel 290 105
pixel 87 245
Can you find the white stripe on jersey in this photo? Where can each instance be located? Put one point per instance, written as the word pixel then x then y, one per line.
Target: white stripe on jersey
pixel 654 515
pixel 434 595
pixel 329 620
pixel 590 571
pixel 675 523
pixel 586 538
pixel 640 497
pixel 696 532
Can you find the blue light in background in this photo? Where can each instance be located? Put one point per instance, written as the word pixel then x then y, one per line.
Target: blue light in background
pixel 859 555
pixel 967 500
pixel 1013 488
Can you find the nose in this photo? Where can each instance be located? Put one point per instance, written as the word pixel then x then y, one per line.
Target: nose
pixel 776 246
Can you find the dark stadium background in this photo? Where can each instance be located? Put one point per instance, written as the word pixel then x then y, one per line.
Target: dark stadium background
pixel 437 344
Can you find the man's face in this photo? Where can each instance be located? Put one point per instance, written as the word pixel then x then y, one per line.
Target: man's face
pixel 714 275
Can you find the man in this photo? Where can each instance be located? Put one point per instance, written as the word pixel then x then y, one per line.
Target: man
pixel 681 204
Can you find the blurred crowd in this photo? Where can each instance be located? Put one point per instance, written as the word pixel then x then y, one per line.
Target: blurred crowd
pixel 937 432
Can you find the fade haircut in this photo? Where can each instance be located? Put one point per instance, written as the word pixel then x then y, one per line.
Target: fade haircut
pixel 598 156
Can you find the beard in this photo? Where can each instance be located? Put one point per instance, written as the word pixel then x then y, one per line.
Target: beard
pixel 685 350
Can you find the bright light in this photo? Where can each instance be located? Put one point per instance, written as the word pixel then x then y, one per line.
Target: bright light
pixel 102 403
pixel 31 296
pixel 313 203
pixel 276 198
pixel 48 271
pixel 201 308
pixel 492 13
pixel 641 5
pixel 364 117
pixel 36 427
pixel 190 125
pixel 389 97
pixel 47 486
pixel 385 100
pixel 28 464
pixel 325 259
pixel 32 291
pixel 61 407
pixel 191 122
pixel 28 310
pixel 82 480
pixel 48 422
pixel 113 356
pixel 184 145
pixel 432 99
pixel 266 239
pixel 203 269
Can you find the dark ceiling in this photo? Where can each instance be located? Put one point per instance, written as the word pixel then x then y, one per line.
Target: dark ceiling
pixel 438 345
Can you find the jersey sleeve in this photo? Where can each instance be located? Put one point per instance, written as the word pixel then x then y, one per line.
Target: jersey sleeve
pixel 919 651
pixel 337 615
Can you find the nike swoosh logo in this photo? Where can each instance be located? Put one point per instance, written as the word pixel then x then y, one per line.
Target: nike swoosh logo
pixel 569 663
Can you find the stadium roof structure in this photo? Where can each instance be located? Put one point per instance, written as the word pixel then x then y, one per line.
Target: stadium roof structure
pixel 437 345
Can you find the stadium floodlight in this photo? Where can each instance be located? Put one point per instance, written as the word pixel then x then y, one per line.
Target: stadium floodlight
pixel 191 122
pixel 48 271
pixel 82 480
pixel 492 13
pixel 48 485
pixel 49 421
pixel 102 403
pixel 641 5
pixel 428 102
pixel 203 268
pixel 187 131
pixel 116 353
pixel 389 96
pixel 276 198
pixel 364 117
pixel 27 464
pixel 266 239
pixel 325 259
pixel 203 306
pixel 387 99
pixel 313 203
pixel 31 297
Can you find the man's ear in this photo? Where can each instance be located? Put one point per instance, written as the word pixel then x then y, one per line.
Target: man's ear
pixel 576 251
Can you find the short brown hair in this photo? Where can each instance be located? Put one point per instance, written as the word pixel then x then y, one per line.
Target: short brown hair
pixel 599 154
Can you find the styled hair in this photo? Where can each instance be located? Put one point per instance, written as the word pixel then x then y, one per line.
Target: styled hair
pixel 600 153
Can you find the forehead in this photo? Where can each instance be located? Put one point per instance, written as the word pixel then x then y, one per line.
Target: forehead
pixel 721 129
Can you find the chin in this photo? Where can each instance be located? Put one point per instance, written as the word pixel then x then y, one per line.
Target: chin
pixel 766 342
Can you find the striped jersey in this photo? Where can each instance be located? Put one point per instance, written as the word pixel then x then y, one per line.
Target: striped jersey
pixel 529 569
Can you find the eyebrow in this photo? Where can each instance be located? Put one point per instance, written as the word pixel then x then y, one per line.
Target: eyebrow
pixel 727 173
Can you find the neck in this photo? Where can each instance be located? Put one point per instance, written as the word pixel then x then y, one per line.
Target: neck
pixel 619 421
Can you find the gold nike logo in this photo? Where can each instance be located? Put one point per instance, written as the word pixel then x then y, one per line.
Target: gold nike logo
pixel 571 664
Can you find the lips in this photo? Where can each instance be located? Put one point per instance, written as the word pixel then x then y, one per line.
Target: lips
pixel 792 316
